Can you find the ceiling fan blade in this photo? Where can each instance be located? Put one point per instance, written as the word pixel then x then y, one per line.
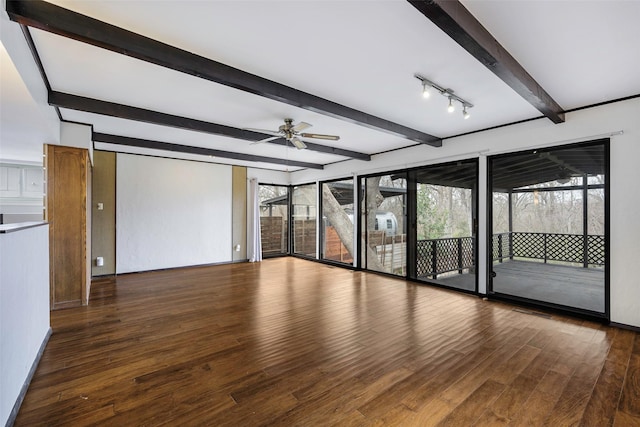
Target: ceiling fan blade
pixel 297 142
pixel 301 126
pixel 268 132
pixel 265 140
pixel 320 136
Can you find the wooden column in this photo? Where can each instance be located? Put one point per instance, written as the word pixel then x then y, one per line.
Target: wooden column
pixel 68 174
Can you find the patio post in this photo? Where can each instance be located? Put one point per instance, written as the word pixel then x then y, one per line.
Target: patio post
pixel 510 226
pixel 585 221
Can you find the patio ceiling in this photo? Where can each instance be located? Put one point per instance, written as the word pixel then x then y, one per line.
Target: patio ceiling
pixel 514 171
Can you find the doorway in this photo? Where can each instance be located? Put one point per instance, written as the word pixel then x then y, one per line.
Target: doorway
pixel 446 224
pixel 549 227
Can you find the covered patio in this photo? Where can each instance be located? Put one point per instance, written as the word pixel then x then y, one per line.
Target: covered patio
pixel 566 269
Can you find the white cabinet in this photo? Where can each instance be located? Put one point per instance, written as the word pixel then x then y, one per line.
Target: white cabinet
pixel 21 181
pixel 21 192
pixel 10 180
pixel 32 182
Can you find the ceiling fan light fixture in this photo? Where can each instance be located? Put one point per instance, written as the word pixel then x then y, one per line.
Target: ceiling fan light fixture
pixel 297 142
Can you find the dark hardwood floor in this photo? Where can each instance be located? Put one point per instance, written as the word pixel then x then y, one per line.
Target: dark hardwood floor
pixel 294 342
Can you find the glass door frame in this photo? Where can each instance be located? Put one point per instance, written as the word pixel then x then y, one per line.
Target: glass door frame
pixel 412 214
pixel 291 222
pixel 288 246
pixel 411 222
pixel 321 230
pixel 593 315
pixel 361 203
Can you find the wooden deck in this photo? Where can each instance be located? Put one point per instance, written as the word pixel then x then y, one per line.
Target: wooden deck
pixel 571 286
pixel 289 342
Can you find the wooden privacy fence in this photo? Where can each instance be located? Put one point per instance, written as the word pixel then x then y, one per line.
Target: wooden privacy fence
pixel 334 249
pixel 274 235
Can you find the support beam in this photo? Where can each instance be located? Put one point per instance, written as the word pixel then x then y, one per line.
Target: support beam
pixel 112 109
pixel 178 148
pixel 459 24
pixel 96 106
pixel 55 19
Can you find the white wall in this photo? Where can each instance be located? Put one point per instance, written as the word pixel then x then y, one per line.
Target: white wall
pixel 171 213
pixel 77 135
pixel 24 308
pixel 265 176
pixel 581 125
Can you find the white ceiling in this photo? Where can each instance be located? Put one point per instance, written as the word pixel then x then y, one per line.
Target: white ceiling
pixel 361 54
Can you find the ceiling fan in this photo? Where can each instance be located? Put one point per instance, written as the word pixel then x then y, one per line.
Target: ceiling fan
pixel 292 133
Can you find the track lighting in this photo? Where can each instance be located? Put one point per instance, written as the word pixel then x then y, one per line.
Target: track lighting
pixel 449 93
pixel 451 108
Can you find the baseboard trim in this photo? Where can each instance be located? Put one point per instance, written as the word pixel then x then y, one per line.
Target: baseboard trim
pixel 180 267
pixel 625 326
pixel 27 381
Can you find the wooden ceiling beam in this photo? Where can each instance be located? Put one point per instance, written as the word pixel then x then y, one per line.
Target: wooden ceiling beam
pixel 58 20
pixel 112 109
pixel 459 24
pixel 179 148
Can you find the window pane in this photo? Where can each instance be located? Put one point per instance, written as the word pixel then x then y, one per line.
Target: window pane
pixel 274 217
pixel 445 237
pixel 383 214
pixel 337 217
pixel 541 249
pixel 304 220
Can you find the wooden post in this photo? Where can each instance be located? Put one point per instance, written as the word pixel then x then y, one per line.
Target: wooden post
pixel 510 226
pixel 585 221
pixel 434 259
pixel 460 255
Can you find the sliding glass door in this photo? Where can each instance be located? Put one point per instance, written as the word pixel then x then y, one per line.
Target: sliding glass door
pixel 549 226
pixel 337 221
pixel 383 223
pixel 445 224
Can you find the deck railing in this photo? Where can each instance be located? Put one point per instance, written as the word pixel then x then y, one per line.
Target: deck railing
pixel 438 256
pixel 571 248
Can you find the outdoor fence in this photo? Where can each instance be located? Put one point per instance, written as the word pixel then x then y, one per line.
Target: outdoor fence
pixel 438 256
pixel 570 248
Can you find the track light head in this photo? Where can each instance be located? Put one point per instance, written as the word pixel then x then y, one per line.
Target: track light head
pixel 465 113
pixel 451 108
pixel 425 90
